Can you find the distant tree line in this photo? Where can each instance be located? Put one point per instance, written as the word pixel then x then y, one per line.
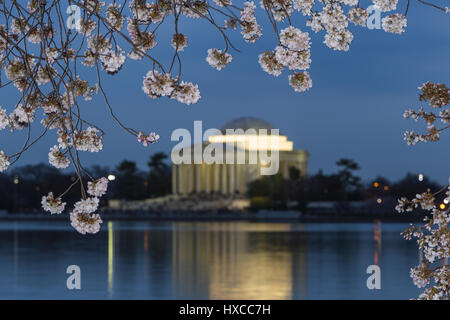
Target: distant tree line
pixel 277 192
pixel 21 190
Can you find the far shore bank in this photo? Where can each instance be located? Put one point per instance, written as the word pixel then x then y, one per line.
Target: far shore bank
pixel 268 216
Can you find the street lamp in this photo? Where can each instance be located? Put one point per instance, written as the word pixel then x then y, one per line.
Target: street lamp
pixel 111 177
pixel 15 198
pixel 420 177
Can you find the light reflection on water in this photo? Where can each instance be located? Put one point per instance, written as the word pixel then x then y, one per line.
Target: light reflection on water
pixel 206 260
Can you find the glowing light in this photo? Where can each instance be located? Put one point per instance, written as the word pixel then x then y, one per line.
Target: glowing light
pixel 446 201
pixel 420 177
pixel 386 188
pixel 255 142
pixel 111 177
pixel 379 200
pixel 16 180
pixel 110 257
pixel 442 206
pixel 376 184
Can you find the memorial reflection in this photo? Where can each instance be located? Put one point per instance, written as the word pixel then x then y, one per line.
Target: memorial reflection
pixel 237 261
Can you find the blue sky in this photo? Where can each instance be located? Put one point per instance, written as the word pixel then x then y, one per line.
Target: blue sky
pixel 354 109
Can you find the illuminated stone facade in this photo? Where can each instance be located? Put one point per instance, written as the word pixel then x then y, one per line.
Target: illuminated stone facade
pixel 241 164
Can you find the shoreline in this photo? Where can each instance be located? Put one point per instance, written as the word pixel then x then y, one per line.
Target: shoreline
pixel 224 217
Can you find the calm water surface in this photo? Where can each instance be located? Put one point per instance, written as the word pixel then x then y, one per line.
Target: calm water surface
pixel 205 260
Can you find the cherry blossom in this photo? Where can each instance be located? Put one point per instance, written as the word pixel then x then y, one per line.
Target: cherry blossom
pixel 394 23
pixel 433 239
pixel 385 5
pixel 187 92
pixel 294 39
pixel 300 81
pixel 57 158
pixel 147 139
pixel 52 204
pixel 270 64
pixel 304 6
pixel 179 41
pixel 4 161
pixel 358 16
pixel 84 222
pixel 4 120
pixel 218 59
pixel 156 84
pixel 98 187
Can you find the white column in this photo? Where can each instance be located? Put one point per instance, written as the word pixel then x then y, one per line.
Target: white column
pixel 244 179
pixel 180 179
pixel 224 179
pixel 198 178
pixel 232 179
pixel 239 178
pixel 191 176
pixel 216 178
pixel 208 178
pixel 174 179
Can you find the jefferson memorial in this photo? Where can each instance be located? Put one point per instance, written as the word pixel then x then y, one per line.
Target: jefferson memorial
pixel 251 138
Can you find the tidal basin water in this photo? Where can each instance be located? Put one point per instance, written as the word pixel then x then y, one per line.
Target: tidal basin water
pixel 205 260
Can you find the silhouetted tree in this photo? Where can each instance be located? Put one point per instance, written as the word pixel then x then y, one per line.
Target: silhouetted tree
pixel 274 188
pixel 346 175
pixel 159 177
pixel 410 185
pixel 130 183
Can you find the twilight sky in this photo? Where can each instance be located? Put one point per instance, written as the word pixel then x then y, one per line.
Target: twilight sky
pixel 354 109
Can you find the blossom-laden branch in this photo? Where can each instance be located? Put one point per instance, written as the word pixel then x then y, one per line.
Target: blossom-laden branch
pixel 48 60
pixel 434 238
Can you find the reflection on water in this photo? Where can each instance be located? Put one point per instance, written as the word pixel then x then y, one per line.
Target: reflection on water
pixel 205 260
pixel 225 260
pixel 110 256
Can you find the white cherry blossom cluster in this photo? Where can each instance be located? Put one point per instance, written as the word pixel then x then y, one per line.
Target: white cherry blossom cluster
pixel 4 161
pixel 98 187
pixel 293 53
pixel 251 30
pixel 218 59
pixel 147 139
pixel 438 97
pixel 433 238
pixel 88 140
pixel 179 41
pixel 4 120
pixel 358 16
pixel 385 5
pixel 394 23
pixel 157 85
pixel 52 204
pixel 304 6
pixel 82 217
pixel 300 81
pixel 57 158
